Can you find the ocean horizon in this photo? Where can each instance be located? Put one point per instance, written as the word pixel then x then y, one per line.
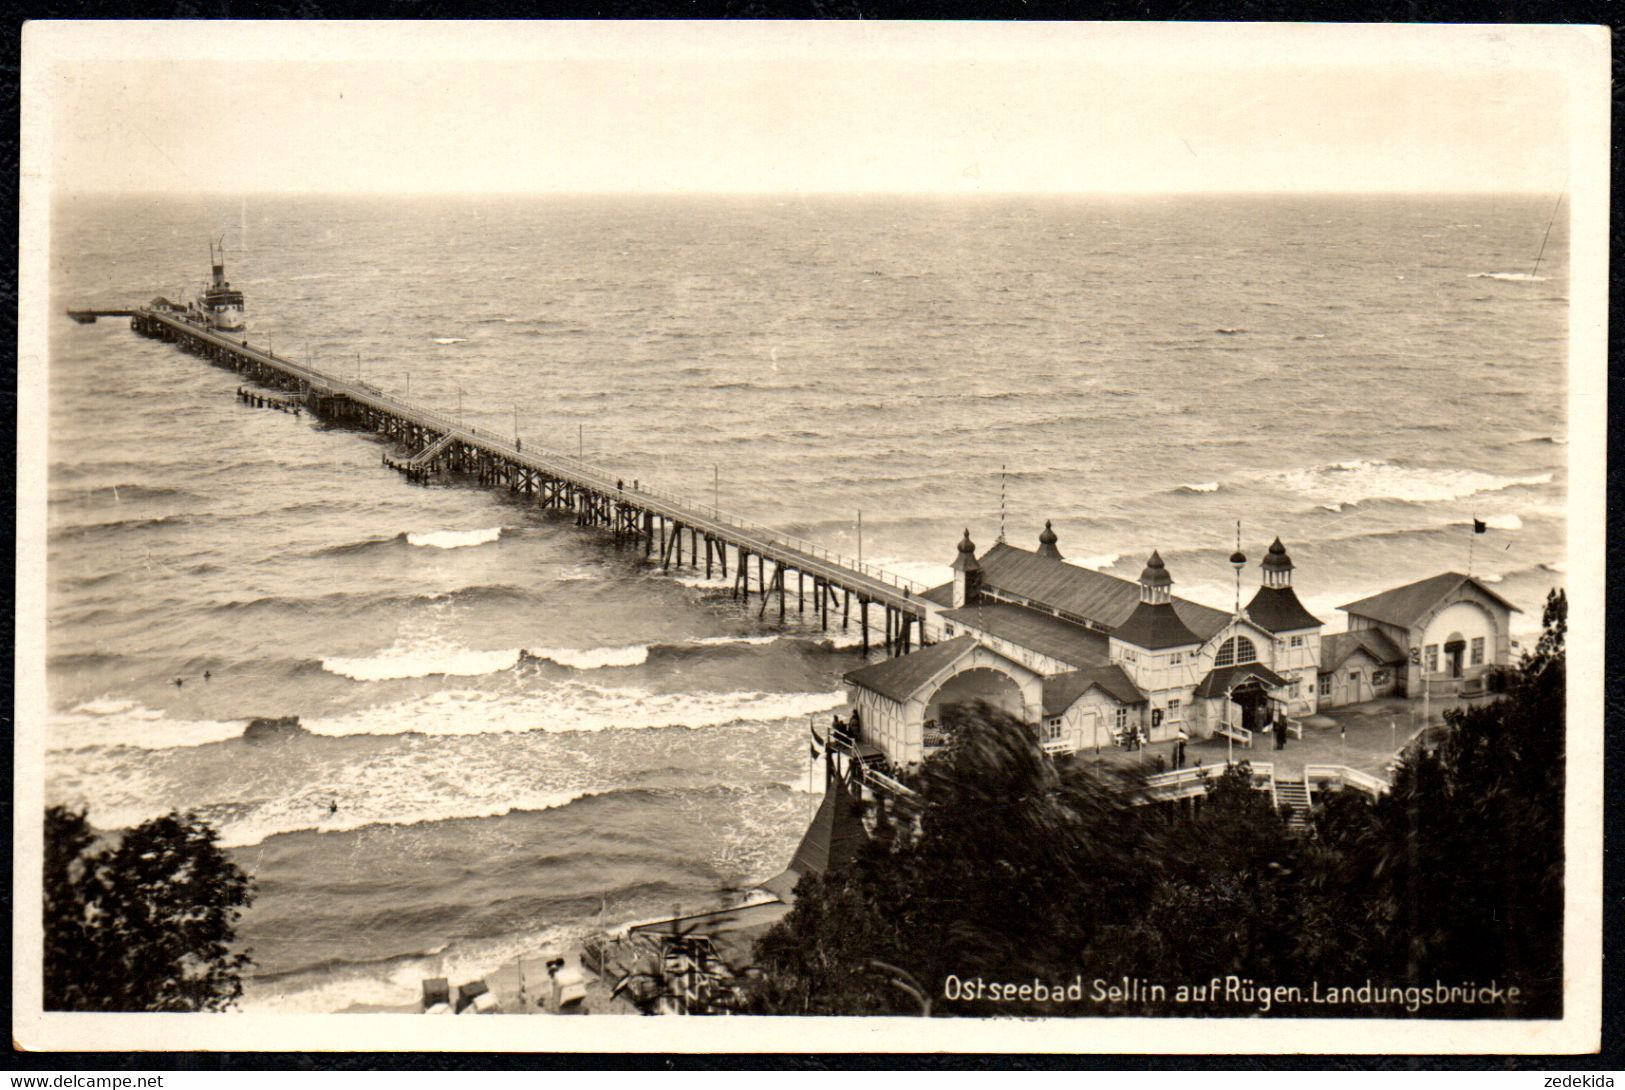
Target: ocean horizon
pixel 516 731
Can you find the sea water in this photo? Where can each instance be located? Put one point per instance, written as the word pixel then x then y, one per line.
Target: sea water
pixel 527 731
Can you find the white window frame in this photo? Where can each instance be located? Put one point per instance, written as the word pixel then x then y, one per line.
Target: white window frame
pixel 1121 718
pixel 1379 676
pixel 1325 685
pixel 1478 651
pixel 1234 645
pixel 1430 656
pixel 1175 658
pixel 1296 641
pixel 1173 714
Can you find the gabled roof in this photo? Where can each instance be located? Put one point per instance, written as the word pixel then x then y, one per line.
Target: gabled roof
pixel 1277 609
pixel 1404 606
pixel 1102 598
pixel 901 677
pixel 1061 691
pixel 942 596
pixel 1036 631
pixel 1155 627
pixel 1220 681
pixel 1336 648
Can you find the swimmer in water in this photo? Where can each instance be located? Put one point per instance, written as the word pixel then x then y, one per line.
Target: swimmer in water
pixel 332 807
pixel 179 683
pixel 207 675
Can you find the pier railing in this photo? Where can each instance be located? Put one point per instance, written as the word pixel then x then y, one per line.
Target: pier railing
pixel 599 475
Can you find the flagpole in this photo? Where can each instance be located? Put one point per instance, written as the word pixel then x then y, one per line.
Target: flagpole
pixel 811 725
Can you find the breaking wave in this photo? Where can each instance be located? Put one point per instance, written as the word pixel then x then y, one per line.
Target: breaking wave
pixel 454 539
pixel 450 340
pixel 433 659
pixel 1206 486
pixel 1519 278
pixel 592 658
pixel 1337 485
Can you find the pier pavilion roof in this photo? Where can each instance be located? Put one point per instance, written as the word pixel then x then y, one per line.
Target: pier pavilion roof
pixel 1104 599
pixel 1221 680
pixel 1336 648
pixel 1404 606
pixel 1061 691
pixel 900 678
pixel 1277 609
pixel 1036 631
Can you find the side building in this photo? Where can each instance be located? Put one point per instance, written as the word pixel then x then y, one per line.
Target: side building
pixel 1446 630
pixel 1090 657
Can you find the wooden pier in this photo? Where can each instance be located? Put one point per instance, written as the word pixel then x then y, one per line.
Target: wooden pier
pixel 676 529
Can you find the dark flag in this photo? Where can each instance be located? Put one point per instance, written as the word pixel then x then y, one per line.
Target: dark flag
pixel 816 746
pixel 1479 527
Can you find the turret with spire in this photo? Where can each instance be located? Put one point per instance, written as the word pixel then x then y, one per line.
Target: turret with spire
pixel 967 573
pixel 1155 624
pixel 1046 542
pixel 1275 608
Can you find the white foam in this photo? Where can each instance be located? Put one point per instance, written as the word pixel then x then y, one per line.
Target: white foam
pixel 136 726
pixel 1205 486
pixel 929 573
pixel 1524 278
pixel 700 582
pixel 1347 483
pixel 450 340
pixel 1490 577
pixel 710 641
pixel 399 982
pixel 1504 522
pixel 430 659
pixel 108 706
pixel 359 809
pixel 454 539
pixel 574 706
pixel 1556 567
pixel 1096 562
pixel 593 658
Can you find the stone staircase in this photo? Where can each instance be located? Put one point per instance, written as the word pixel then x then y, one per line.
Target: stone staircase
pixel 1292 800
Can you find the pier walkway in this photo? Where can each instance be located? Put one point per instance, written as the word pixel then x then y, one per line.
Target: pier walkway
pixel 435 443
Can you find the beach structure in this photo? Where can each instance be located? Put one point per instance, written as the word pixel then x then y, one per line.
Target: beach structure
pixel 1096 661
pixel 1451 627
pixel 1093 659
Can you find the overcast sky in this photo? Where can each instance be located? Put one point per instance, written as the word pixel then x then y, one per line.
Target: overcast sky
pixel 797 107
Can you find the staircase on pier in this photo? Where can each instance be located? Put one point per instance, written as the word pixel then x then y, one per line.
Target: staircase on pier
pixel 1292 802
pixel 428 454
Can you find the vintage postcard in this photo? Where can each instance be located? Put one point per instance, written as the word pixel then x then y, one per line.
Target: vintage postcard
pixel 990 537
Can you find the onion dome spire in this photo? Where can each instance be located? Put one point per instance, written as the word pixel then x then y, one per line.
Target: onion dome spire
pixel 1155 624
pixel 1046 542
pixel 966 560
pixel 1155 581
pixel 1277 566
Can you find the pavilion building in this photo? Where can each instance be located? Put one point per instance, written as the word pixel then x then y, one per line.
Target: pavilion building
pixel 1092 658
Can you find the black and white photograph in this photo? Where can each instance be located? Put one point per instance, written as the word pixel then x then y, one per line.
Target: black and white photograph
pixel 850 537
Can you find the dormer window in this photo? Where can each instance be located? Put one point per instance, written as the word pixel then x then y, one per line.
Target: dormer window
pixel 1236 651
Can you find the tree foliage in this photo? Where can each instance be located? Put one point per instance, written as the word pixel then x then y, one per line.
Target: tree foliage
pixel 1023 868
pixel 145 923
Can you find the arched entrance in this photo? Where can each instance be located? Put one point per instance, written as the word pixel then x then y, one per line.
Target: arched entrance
pixel 1455 649
pixel 978 683
pixel 1254 703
